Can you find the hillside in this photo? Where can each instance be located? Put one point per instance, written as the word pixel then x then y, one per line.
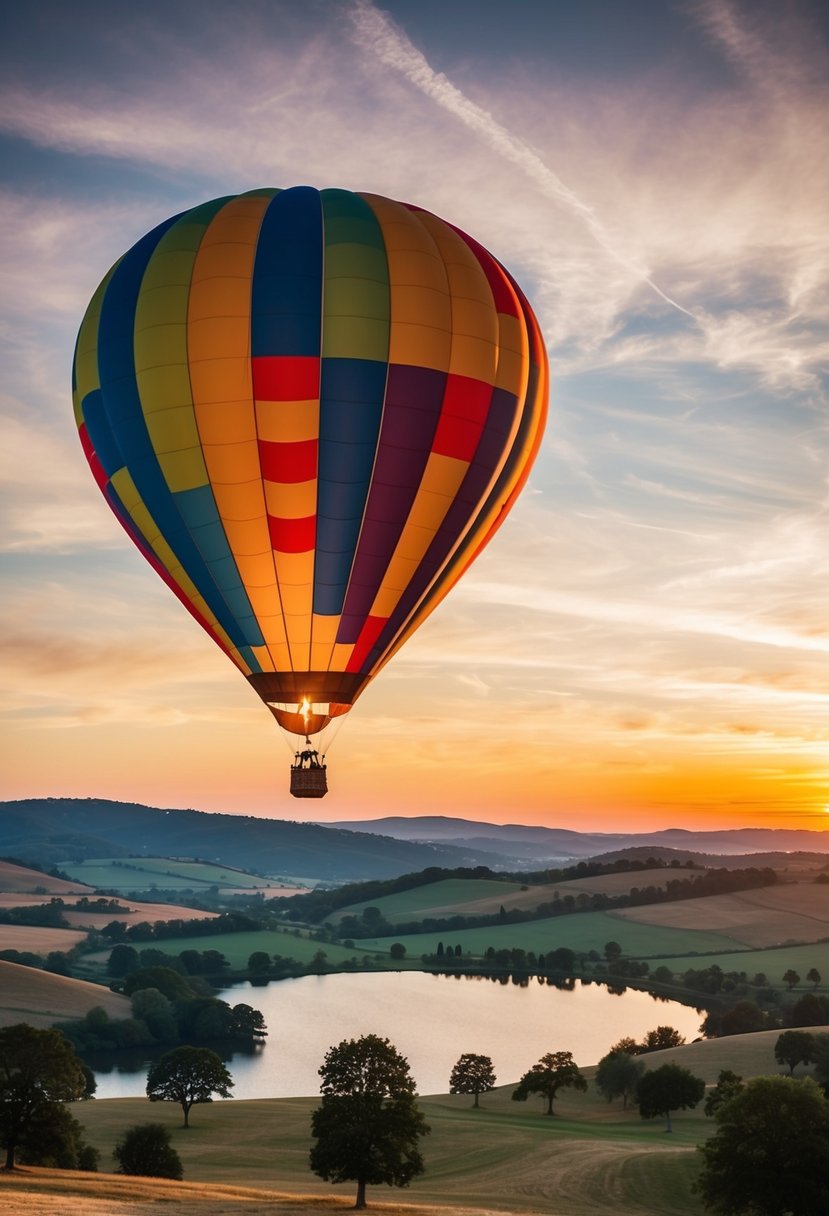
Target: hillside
pixel 594 1159
pixel 54 830
pixel 40 998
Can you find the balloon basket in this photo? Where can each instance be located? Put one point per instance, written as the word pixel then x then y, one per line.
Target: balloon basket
pixel 309 782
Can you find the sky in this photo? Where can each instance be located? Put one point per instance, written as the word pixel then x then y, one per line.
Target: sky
pixel 645 643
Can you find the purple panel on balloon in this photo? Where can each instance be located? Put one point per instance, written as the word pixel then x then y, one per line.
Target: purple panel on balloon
pixel 414 397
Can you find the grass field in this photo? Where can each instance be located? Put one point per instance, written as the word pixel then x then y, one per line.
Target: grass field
pixel 164 873
pixel 770 916
pixel 40 998
pixel 591 1159
pixel 773 963
pixel 485 896
pixel 506 1156
pixel 238 947
pixel 581 931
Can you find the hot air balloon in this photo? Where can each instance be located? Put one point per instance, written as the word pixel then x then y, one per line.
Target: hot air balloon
pixel 310 410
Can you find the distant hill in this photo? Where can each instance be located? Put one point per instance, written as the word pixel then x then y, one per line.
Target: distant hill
pixel 541 844
pixel 52 830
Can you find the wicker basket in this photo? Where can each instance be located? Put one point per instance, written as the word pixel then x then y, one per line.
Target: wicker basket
pixel 309 782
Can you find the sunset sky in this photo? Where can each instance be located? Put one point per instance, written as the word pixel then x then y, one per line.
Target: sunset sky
pixel 645 644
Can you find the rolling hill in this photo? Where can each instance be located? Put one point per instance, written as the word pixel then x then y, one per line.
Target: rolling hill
pixel 49 831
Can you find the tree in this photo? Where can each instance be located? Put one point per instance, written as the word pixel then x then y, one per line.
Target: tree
pixel 368 1126
pixel 397 950
pixel 813 976
pixel 612 951
pixel 809 1010
pixel 667 1089
pixel 188 1075
pixel 770 1153
pixel 743 1018
pixel 628 1045
pixel 259 962
pixel 728 1084
pixel 554 1071
pixel 660 1038
pixel 820 1057
pixel 55 1139
pixel 38 1071
pixel 790 978
pixel 122 960
pixel 146 1150
pixel 473 1074
pixel 617 1075
pixel 794 1047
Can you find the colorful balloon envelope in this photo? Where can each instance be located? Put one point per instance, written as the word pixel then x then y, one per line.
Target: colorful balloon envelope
pixel 310 410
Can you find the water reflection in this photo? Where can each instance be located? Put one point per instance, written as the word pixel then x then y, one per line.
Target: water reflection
pixel 429 1018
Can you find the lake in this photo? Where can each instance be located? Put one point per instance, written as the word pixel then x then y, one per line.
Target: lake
pixel 431 1019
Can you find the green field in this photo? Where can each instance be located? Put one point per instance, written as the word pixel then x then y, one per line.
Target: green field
pixel 582 931
pixel 160 873
pixel 238 947
pixel 485 896
pixel 452 894
pixel 772 962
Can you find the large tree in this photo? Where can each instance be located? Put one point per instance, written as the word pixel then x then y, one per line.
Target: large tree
pixel 668 1088
pixel 473 1074
pixel 794 1047
pixel 188 1075
pixel 770 1153
pixel 38 1071
pixel 554 1071
pixel 617 1075
pixel 368 1126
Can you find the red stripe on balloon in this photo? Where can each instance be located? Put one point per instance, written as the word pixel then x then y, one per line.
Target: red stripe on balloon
pixel 369 634
pixel 292 535
pixel 98 471
pixel 466 404
pixel 289 462
pixel 286 377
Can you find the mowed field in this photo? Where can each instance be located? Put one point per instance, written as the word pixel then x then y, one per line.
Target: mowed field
pixel 770 916
pixel 38 940
pixel 40 998
pixel 486 896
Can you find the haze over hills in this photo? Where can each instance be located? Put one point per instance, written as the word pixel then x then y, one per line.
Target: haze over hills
pixel 521 840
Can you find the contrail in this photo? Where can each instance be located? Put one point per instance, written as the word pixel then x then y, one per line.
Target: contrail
pixel 392 47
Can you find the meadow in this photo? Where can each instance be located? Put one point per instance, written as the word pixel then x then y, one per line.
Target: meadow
pixel 238 947
pixel 485 896
pixel 592 1158
pixel 168 874
pixel 582 931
